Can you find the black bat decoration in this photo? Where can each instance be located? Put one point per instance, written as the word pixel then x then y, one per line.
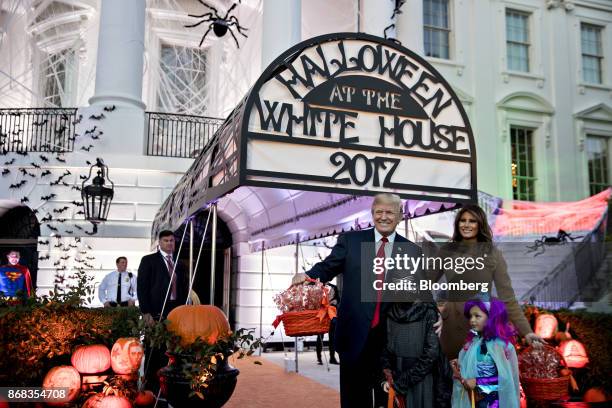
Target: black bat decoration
pixel 18 185
pixel 42 258
pixel 44 122
pixel 51 228
pixel 57 263
pixel 48 197
pixel 58 245
pixel 109 108
pixel 71 245
pixel 90 131
pixel 78 226
pixel 8 163
pixel 21 153
pixel 44 158
pixel 77 239
pixel 60 210
pixel 97 117
pixel 77 188
pixel 87 148
pixel 92 232
pixel 36 166
pixel 77 203
pixel 43 242
pixel 61 220
pixel 24 200
pixel 45 173
pixel 47 218
pixel 90 266
pixel 65 258
pixel 70 232
pixel 91 258
pixel 97 136
pixel 60 159
pixel 83 177
pixel 5 172
pixel 65 249
pixel 64 116
pixel 77 120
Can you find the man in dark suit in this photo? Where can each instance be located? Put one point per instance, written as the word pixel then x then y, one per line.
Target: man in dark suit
pixel 360 325
pixel 162 285
pixel 154 286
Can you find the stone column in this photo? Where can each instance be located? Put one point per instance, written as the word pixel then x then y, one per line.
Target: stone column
pixel 120 54
pixel 282 28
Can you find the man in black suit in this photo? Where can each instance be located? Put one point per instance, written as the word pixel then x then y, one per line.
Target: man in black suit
pixel 153 284
pixel 360 326
pixel 158 294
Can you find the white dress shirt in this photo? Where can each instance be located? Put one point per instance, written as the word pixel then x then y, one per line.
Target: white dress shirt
pixel 107 291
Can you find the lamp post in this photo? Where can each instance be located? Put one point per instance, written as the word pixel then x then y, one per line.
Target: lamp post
pixel 96 196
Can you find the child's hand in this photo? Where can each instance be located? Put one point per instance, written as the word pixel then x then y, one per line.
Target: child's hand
pixel 456 370
pixel 469 384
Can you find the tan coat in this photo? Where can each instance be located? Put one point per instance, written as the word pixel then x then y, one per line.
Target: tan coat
pixel 455 326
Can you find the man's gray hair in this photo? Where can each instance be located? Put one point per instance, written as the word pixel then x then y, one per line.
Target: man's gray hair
pixel 388 198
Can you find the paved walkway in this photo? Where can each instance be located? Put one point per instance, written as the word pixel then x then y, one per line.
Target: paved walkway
pixel 270 386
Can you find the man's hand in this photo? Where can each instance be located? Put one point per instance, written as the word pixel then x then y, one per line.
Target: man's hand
pixel 388 376
pixel 299 278
pixel 107 304
pixel 148 319
pixel 438 325
pixel 535 340
pixel 131 302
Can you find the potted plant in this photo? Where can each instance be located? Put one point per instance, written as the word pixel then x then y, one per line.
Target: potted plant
pixel 199 342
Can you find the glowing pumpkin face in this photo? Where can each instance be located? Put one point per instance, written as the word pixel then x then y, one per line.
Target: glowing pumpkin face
pixel 546 326
pixel 574 353
pixel 204 321
pixel 91 359
pixel 126 355
pixel 63 377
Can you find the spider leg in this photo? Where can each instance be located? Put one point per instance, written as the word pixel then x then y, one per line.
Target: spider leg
pixel 229 11
pixel 234 22
pixel 234 37
pixel 207 17
pixel 205 34
pixel 210 7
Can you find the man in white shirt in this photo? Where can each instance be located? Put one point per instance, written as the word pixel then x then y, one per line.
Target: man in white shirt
pixel 118 288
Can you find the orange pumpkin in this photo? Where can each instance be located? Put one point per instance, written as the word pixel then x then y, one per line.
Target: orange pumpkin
pixel 144 399
pixel 126 355
pixel 63 377
pixel 574 353
pixel 595 395
pixel 546 326
pixel 204 321
pixel 91 359
pixel 107 401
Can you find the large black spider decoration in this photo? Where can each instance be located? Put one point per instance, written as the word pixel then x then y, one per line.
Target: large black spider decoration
pixel 219 25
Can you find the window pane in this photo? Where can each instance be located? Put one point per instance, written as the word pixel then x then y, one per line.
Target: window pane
pixel 436 28
pixel 597 155
pixel 592 55
pixel 57 71
pixel 522 168
pixel 517 41
pixel 182 82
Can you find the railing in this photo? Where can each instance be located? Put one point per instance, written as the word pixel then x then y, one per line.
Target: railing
pixel 564 285
pixel 37 130
pixel 174 135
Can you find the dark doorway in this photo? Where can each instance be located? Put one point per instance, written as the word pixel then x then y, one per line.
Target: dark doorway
pixel 201 283
pixel 19 231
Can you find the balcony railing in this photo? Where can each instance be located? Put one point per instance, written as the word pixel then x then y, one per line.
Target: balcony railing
pixel 37 130
pixel 174 135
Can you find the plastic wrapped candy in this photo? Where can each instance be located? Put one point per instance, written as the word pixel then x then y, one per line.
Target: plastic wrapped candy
pixel 541 362
pixel 297 298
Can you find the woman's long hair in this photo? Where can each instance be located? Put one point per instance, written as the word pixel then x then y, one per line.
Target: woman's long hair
pixel 484 231
pixel 497 325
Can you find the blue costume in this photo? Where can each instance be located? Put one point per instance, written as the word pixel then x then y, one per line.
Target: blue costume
pixel 15 281
pixel 494 365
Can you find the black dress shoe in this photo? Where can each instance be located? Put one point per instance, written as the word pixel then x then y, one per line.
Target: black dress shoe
pixel 319 362
pixel 333 361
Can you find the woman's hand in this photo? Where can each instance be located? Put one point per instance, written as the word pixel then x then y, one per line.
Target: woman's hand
pixel 456 369
pixel 535 340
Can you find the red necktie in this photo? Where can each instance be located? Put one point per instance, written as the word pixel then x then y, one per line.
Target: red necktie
pixel 170 270
pixel 379 254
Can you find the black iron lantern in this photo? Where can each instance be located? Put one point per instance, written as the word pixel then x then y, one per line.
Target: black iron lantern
pixel 96 196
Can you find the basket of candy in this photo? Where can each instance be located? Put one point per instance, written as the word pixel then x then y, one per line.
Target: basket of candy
pixel 305 309
pixel 540 367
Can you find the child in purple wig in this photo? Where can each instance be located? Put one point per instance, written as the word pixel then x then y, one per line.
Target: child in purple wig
pixel 487 373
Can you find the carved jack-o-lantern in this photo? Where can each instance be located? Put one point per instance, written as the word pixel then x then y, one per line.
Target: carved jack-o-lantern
pixel 126 355
pixel 574 353
pixel 107 401
pixel 91 359
pixel 546 326
pixel 63 377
